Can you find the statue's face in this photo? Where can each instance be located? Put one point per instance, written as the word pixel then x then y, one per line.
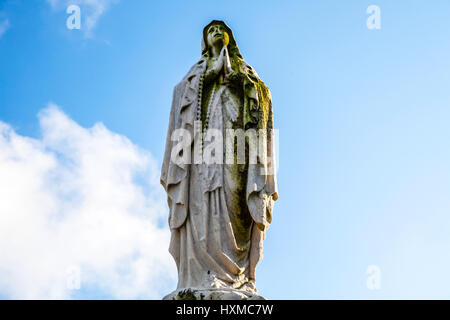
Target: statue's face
pixel 216 35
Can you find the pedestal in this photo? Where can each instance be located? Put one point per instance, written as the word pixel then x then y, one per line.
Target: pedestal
pixel 212 294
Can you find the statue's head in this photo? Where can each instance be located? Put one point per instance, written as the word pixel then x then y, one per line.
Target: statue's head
pixel 217 33
pixel 217 36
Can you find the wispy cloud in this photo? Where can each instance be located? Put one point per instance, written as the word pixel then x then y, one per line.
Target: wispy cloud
pixel 83 198
pixel 4 26
pixel 91 11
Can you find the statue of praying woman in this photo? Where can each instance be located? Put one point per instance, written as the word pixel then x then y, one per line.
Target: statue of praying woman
pixel 219 210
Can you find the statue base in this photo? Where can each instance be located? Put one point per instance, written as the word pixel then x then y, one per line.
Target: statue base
pixel 212 294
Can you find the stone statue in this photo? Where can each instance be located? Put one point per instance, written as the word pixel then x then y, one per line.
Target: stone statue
pixel 219 210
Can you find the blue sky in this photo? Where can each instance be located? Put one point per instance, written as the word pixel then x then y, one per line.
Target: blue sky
pixel 364 175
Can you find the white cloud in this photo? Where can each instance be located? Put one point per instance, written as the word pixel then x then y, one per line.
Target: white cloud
pixel 84 198
pixel 91 11
pixel 4 26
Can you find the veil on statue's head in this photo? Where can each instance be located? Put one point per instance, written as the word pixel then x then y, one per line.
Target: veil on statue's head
pixel 233 49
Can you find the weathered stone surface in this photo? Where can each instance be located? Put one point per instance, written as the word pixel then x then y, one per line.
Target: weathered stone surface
pixel 212 294
pixel 219 211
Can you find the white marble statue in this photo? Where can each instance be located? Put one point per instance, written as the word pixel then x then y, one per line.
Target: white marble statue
pixel 219 211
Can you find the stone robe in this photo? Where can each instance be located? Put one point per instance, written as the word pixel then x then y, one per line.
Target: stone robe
pixel 219 212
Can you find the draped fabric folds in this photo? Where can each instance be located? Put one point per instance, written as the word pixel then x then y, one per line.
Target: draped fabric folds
pixel 219 212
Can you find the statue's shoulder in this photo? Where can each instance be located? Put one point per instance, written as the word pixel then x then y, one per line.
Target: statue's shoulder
pixel 185 91
pixel 252 74
pixel 195 70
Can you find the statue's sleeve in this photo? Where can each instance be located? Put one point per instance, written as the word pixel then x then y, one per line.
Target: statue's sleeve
pixel 261 182
pixel 174 178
